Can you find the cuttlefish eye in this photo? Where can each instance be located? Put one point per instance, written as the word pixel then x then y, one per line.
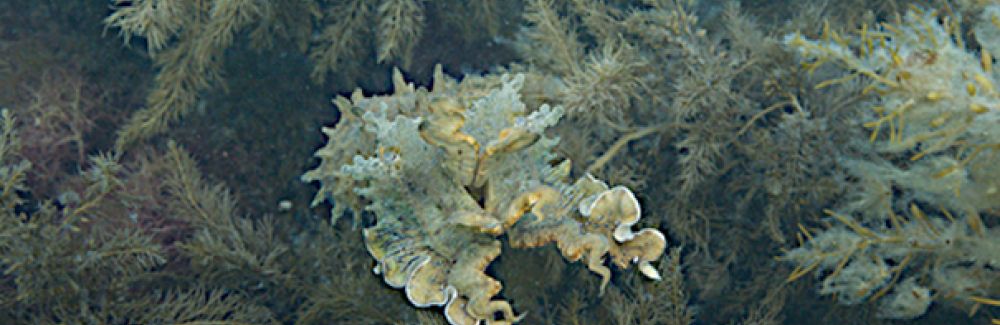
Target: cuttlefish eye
pixel 390 155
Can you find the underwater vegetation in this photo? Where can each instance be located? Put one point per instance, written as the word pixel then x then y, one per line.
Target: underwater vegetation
pixel 628 162
pixel 933 120
pixel 147 240
pixel 187 41
pixel 88 257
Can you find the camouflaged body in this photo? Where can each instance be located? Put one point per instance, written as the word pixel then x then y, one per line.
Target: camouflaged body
pixel 451 170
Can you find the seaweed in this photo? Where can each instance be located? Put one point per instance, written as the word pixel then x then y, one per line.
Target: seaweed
pixel 187 42
pixel 63 255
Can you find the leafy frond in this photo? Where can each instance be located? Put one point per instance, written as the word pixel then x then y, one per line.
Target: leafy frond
pixel 201 306
pixel 399 30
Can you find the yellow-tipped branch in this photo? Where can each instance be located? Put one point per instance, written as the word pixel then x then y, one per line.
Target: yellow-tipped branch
pixel 895 131
pixel 965 159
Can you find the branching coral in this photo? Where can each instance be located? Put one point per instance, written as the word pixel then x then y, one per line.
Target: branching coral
pixel 454 168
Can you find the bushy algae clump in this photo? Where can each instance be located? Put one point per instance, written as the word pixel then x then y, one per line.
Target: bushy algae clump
pixel 934 121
